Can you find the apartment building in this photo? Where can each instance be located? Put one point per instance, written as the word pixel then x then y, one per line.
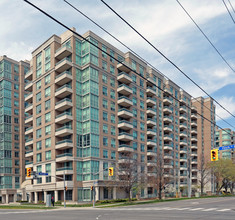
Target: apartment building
pixel 225 137
pixel 205 134
pixel 12 80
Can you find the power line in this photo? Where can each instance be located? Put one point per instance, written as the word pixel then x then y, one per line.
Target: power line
pixel 228 11
pixel 75 8
pixel 166 57
pixel 87 40
pixel 231 6
pixel 206 36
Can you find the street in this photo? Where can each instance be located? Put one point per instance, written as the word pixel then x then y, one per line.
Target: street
pixel 211 208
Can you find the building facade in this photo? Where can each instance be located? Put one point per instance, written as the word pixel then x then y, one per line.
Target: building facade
pixel 12 81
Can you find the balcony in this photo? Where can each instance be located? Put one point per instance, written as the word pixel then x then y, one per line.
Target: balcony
pixel 151 153
pixel 151 132
pixel 125 125
pixel 150 112
pixel 125 113
pixel 29 109
pixel 63 91
pixel 64 170
pixel 29 120
pixel 194 109
pixel 183 117
pixel 167 129
pixel 29 97
pixel 167 101
pixel 29 131
pixel 151 174
pixel 183 159
pixel 183 151
pixel 151 163
pixel 167 138
pixel 194 154
pixel 29 164
pixel 168 147
pixel 194 116
pixel 183 167
pixel 60 184
pixel 29 153
pixel 194 147
pixel 150 81
pixel 167 119
pixel 151 122
pixel 150 101
pixel 63 78
pixel 194 161
pixel 183 143
pixel 124 89
pixel 124 101
pixel 150 91
pixel 63 131
pixel 64 104
pixel 168 166
pixel 124 66
pixel 65 144
pixel 168 156
pixel 182 101
pixel 28 142
pixel 167 91
pixel 64 157
pixel 63 118
pixel 193 124
pixel 151 143
pixel 183 109
pixel 29 87
pixel 183 134
pixel 63 65
pixel 29 75
pixel 124 78
pixel 167 110
pixel 125 137
pixel 183 176
pixel 194 139
pixel 63 52
pixel 125 148
pixel 183 126
pixel 194 131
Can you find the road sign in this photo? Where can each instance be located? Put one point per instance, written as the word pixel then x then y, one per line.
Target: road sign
pixel 227 147
pixel 42 174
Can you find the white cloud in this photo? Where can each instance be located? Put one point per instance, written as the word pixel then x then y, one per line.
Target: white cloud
pixel 228 103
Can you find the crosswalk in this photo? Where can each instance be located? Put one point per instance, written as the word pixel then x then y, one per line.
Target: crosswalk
pixel 192 209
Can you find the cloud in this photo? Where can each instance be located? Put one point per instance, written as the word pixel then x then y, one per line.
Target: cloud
pixel 228 103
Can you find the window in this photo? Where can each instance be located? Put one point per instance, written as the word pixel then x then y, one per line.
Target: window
pixel 38 85
pixel 113 142
pixel 48 155
pixel 105 141
pixel 111 55
pixel 112 94
pixel 16 128
pixel 141 82
pixel 48 170
pixel 105 154
pixel 142 158
pixel 142 104
pixel 113 155
pixel 112 82
pixel 135 134
pixel 141 115
pixel 113 130
pixel 16 111
pixel 39 157
pixel 142 126
pixel 39 169
pixel 47 104
pixel 112 69
pixel 104 78
pixel 105 128
pixel 16 86
pixel 47 79
pixel 48 130
pixel 38 121
pixel 39 133
pixel 112 106
pixel 16 103
pixel 16 137
pixel 134 100
pixel 47 92
pixel 142 147
pixel 133 78
pixel 134 90
pixel 16 153
pixel 105 116
pixel 38 97
pixel 48 142
pixel 16 120
pixel 105 91
pixel 135 145
pixel 16 95
pixel 38 109
pixel 104 48
pixel 141 68
pixel 134 123
pixel 133 65
pixel 105 103
pixel 47 117
pixel 142 94
pixel 142 136
pixel 113 118
pixel 104 65
pixel 39 145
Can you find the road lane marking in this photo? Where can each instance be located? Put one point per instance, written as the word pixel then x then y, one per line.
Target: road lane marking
pixel 195 209
pixel 223 210
pixel 211 209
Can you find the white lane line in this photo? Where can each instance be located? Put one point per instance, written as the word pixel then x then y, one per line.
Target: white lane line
pixel 184 208
pixel 196 209
pixel 223 210
pixel 211 209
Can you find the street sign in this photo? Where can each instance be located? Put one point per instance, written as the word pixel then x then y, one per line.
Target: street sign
pixel 42 174
pixel 227 147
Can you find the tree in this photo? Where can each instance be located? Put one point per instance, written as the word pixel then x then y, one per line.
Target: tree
pixel 204 172
pixel 224 172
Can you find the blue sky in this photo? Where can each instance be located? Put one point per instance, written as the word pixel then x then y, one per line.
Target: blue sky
pixel 164 23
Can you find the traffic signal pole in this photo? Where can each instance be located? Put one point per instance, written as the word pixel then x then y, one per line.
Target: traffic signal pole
pixel 64 191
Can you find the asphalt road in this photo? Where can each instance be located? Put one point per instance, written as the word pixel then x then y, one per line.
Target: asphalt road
pixel 206 209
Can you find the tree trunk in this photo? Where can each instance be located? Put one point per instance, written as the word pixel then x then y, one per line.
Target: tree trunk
pixel 160 191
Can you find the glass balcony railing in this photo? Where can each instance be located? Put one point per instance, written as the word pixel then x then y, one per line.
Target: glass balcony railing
pixel 64 141
pixel 63 100
pixel 64 155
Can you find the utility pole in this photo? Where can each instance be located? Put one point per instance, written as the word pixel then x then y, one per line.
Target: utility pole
pixel 64 191
pixel 189 177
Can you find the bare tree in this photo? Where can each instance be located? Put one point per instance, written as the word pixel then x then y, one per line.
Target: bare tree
pixel 204 175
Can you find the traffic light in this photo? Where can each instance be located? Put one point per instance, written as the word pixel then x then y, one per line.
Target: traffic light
pixel 66 188
pixel 110 171
pixel 28 172
pixel 214 155
pixel 92 188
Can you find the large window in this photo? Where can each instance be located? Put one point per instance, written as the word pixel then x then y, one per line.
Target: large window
pixel 39 145
pixel 39 157
pixel 38 121
pixel 47 92
pixel 47 104
pixel 48 155
pixel 39 133
pixel 38 97
pixel 47 117
pixel 48 142
pixel 48 130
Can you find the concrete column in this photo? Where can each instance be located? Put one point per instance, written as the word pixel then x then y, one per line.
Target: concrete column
pixel 15 197
pixel 30 197
pixel 56 195
pixel 45 196
pixel 3 199
pixel 97 193
pixel 35 197
pixel 24 195
pixel 114 192
pixel 7 198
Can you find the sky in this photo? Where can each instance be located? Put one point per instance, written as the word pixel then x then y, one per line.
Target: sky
pixel 163 23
